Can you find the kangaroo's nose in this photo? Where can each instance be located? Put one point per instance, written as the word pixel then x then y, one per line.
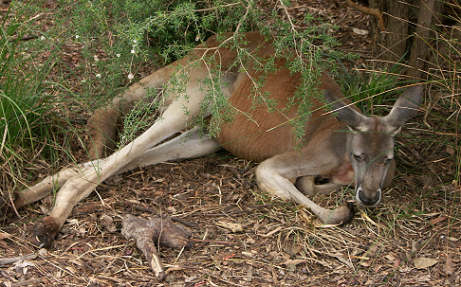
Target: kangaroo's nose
pixel 369 199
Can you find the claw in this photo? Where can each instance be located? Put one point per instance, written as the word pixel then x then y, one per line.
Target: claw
pixel 350 215
pixel 45 231
pixel 339 216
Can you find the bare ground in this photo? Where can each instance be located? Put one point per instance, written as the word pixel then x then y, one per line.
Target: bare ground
pixel 412 239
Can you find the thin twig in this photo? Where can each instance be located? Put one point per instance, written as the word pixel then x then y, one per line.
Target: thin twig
pixel 436 132
pixel 243 18
pixel 5 132
pixel 218 7
pixel 293 29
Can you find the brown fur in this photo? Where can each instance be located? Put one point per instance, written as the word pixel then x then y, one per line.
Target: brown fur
pixel 102 128
pixel 257 133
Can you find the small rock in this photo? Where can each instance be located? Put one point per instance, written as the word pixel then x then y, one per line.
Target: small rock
pixel 233 227
pixel 43 252
pixel 360 31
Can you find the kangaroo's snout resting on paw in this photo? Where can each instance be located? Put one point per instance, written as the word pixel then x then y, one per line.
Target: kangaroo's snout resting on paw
pixel 345 146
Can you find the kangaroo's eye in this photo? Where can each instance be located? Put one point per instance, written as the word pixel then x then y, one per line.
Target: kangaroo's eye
pixel 388 160
pixel 358 157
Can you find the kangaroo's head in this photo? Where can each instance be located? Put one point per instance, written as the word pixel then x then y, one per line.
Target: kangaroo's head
pixel 370 144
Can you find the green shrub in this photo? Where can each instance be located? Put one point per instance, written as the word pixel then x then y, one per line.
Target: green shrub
pixel 25 103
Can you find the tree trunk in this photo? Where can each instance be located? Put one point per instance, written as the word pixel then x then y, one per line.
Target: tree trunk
pixel 407 31
pixel 397 31
pixel 420 50
pixel 391 44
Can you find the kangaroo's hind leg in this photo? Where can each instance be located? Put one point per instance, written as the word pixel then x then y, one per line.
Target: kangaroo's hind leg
pixel 190 144
pixel 173 120
pixel 102 129
pixel 103 123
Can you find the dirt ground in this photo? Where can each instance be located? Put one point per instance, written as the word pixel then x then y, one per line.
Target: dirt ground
pixel 412 239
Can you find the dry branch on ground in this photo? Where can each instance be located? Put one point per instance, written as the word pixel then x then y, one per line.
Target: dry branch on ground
pixel 149 233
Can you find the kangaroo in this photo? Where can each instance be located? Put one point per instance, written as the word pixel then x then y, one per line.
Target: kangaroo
pixel 344 146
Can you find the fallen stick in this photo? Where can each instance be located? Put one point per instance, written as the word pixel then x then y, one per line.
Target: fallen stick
pixel 148 233
pixel 10 260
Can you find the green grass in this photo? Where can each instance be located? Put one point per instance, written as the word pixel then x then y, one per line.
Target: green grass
pixel 25 103
pixel 371 89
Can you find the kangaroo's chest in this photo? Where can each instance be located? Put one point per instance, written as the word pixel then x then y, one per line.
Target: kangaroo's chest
pixel 343 175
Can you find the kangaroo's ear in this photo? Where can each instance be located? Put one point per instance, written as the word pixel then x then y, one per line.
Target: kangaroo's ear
pixel 405 107
pixel 344 113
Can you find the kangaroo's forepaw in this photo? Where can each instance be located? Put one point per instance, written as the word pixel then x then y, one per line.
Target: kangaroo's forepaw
pixel 45 230
pixel 348 212
pixel 339 216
